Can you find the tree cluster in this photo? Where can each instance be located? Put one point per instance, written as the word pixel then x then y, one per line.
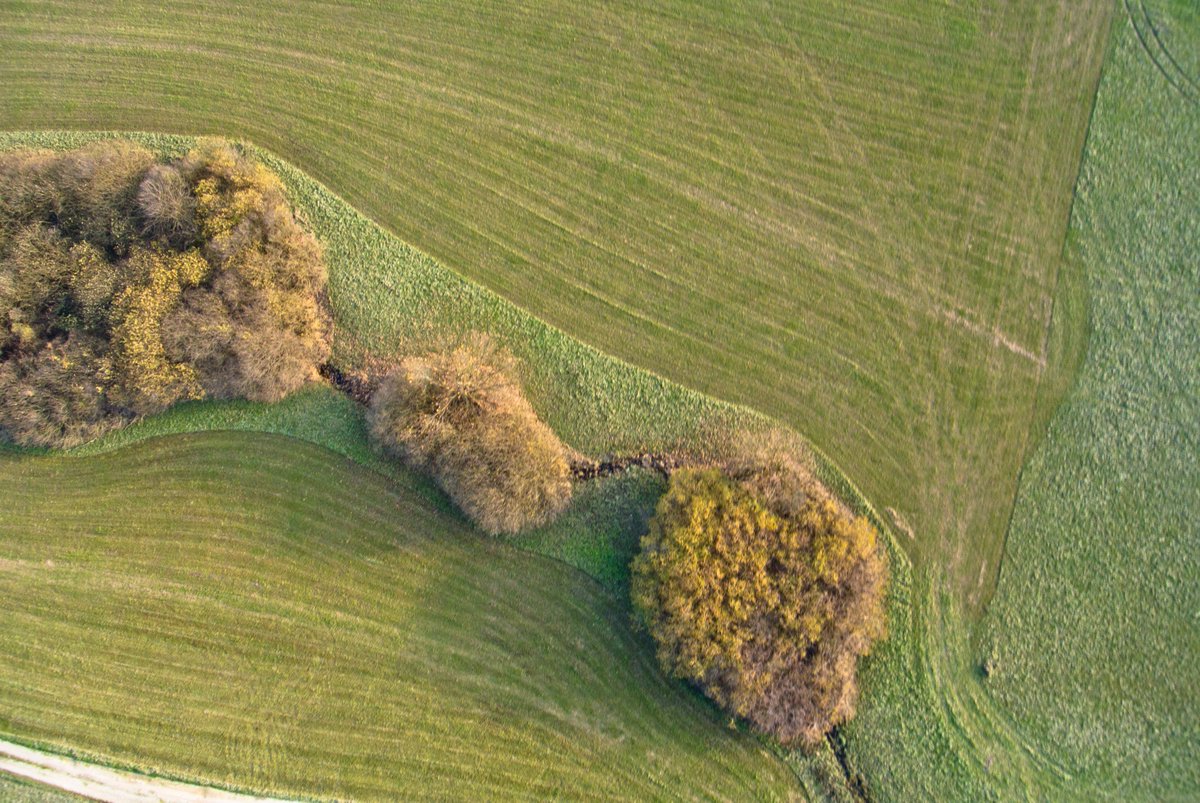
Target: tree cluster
pixel 764 592
pixel 127 285
pixel 460 414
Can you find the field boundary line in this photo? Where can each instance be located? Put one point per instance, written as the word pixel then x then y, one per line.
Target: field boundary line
pixel 99 782
pixel 1065 254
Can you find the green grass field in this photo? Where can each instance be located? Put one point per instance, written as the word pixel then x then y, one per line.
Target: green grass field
pixel 859 231
pixel 848 220
pixel 1095 628
pixel 256 612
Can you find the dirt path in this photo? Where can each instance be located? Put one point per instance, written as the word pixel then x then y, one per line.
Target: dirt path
pixel 102 783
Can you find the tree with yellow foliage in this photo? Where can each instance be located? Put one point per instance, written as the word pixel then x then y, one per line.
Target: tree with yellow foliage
pixel 145 379
pixel 766 608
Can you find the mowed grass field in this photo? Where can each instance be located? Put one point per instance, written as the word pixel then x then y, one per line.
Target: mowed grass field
pixel 254 611
pixel 1095 629
pixel 849 218
pixel 929 412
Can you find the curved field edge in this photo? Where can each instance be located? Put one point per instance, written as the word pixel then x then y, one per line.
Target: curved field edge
pixel 1094 632
pixel 597 402
pixel 855 228
pixel 908 739
pixel 254 612
pixel 387 296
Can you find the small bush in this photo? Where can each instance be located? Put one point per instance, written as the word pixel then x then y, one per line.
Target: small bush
pixel 461 415
pixel 767 613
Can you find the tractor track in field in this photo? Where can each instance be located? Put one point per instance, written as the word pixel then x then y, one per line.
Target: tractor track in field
pixel 1166 64
pixel 99 782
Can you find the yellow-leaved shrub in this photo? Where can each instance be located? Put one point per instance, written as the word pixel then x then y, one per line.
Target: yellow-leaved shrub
pixel 767 608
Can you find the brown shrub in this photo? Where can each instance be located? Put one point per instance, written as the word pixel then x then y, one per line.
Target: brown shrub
pixel 97 198
pixel 767 613
pixel 167 206
pixel 54 397
pixel 34 277
pixel 260 329
pixel 28 190
pixel 461 415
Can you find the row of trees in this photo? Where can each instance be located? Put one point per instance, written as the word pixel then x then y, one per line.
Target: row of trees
pixel 127 285
pixel 757 585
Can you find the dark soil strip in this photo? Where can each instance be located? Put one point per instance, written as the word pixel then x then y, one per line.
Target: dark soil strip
pixel 353 385
pixel 584 468
pixel 855 783
pixel 359 388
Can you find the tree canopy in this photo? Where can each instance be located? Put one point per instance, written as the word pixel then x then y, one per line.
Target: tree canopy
pixel 767 608
pixel 460 414
pixel 127 285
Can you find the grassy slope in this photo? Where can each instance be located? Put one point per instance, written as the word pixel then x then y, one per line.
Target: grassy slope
pixel 251 610
pixel 848 219
pixel 1095 628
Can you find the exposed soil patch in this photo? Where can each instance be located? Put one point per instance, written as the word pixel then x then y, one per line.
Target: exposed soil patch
pixel 354 384
pixel 584 468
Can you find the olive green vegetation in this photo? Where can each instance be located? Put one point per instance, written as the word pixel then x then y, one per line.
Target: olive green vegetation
pixel 257 612
pixel 849 218
pixel 1094 634
pixel 15 789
